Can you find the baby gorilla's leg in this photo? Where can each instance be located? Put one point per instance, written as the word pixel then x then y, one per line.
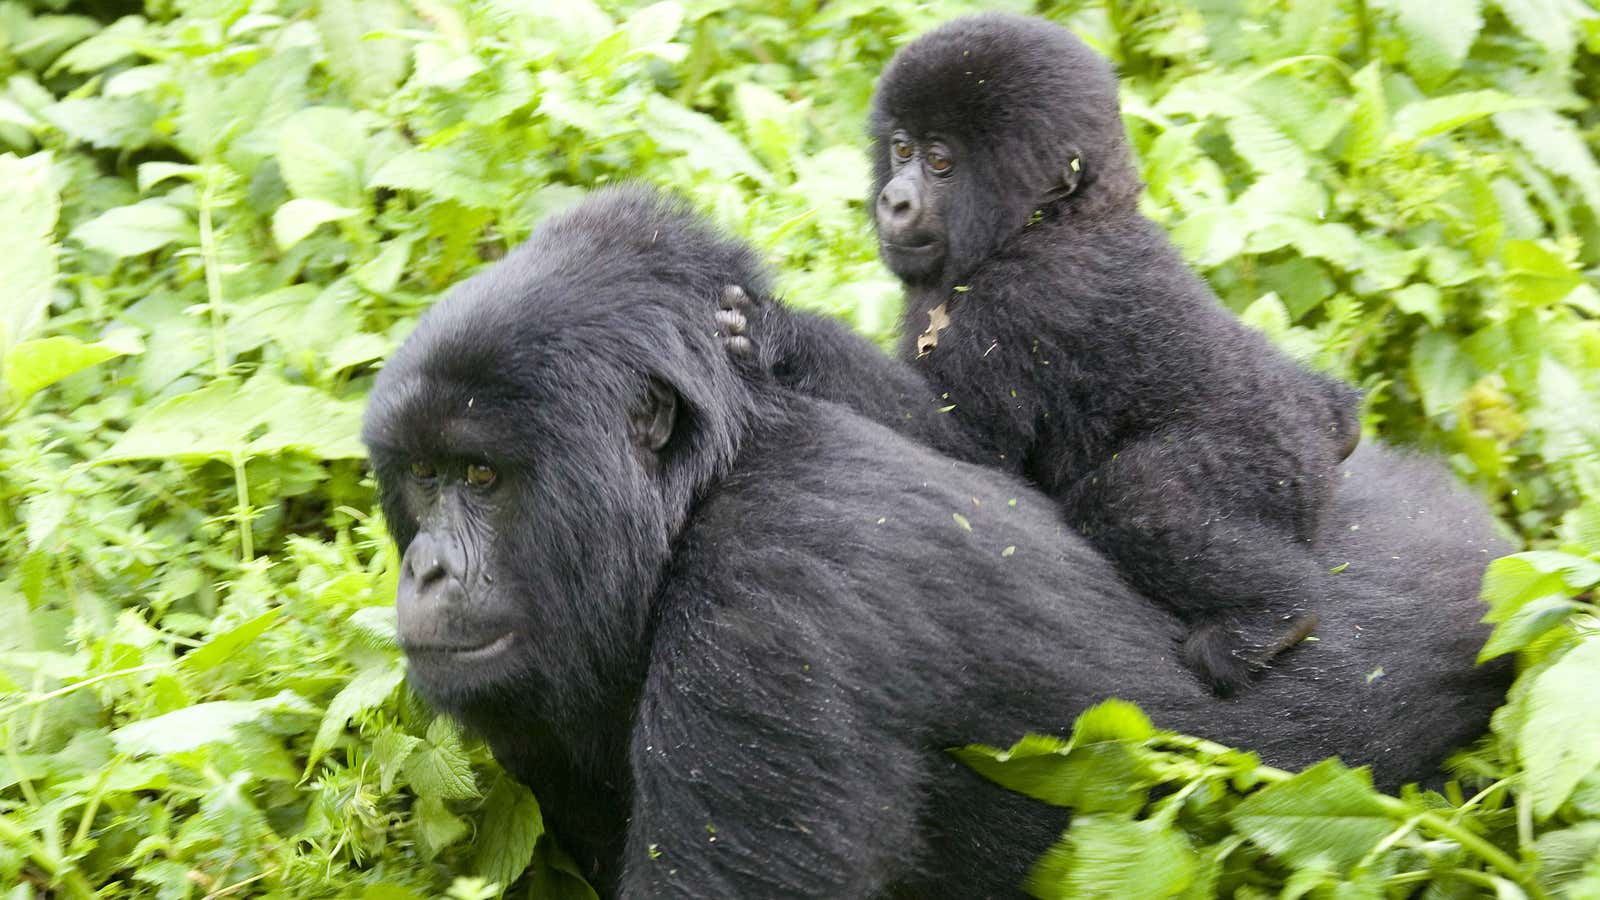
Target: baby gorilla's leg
pixel 1164 512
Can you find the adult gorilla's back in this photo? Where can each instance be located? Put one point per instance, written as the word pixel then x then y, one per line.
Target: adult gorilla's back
pixel 726 631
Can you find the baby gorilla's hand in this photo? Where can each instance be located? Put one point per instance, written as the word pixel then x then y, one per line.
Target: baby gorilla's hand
pixel 733 323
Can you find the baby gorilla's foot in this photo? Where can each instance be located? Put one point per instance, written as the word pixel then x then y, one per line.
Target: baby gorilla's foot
pixel 1228 663
pixel 733 325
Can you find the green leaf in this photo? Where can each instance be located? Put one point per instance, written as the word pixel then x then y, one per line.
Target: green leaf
pixel 367 690
pixel 1552 23
pixel 439 766
pixel 1434 116
pixel 390 750
pixel 371 67
pixel 703 142
pixel 1527 624
pixel 1555 143
pixel 650 31
pixel 1438 33
pixel 1100 770
pixel 320 151
pixel 512 825
pixel 1327 817
pixel 204 723
pixel 299 217
pixel 262 416
pixel 32 366
pixel 1422 300
pixel 1369 122
pixel 1559 741
pixel 436 826
pixel 1441 371
pixel 112 123
pixel 141 228
pixel 442 172
pixel 28 209
pixel 1537 276
pixel 220 648
pixel 1114 858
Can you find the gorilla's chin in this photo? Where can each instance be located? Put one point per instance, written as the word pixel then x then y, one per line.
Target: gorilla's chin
pixel 913 262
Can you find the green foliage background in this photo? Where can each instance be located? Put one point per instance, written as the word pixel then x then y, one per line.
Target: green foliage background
pixel 217 216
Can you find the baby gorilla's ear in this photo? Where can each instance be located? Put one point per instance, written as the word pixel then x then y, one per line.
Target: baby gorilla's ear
pixel 653 418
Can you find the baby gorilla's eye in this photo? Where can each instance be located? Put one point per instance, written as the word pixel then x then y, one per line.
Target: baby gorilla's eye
pixel 902 149
pixel 480 475
pixel 939 162
pixel 422 471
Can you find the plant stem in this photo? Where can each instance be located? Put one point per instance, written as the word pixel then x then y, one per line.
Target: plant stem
pixel 211 260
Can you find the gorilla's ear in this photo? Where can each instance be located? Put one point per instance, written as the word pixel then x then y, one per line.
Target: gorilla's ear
pixel 652 419
pixel 1071 173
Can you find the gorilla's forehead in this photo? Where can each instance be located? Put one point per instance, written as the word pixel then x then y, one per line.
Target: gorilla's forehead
pixel 994 73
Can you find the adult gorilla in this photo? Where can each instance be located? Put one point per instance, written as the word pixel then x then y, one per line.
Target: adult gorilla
pixel 726 631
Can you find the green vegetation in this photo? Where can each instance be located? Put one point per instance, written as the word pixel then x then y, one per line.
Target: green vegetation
pixel 218 216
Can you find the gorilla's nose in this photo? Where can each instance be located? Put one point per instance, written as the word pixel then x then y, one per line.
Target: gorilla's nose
pixel 898 207
pixel 431 595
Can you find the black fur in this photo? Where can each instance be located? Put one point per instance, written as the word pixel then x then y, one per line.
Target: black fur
pixel 1084 350
pixel 730 667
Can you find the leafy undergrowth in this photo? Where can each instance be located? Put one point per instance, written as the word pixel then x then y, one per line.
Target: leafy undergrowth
pixel 217 216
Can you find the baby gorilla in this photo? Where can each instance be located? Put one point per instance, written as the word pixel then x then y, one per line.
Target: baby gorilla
pixel 727 631
pixel 1068 334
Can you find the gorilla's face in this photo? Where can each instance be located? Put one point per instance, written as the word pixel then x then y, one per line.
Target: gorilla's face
pixel 526 507
pixel 911 209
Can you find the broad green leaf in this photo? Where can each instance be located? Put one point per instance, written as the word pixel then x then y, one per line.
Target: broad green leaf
pixel 116 123
pixel 1526 624
pixel 1115 859
pixel 299 217
pixel 153 173
pixel 1100 770
pixel 1554 141
pixel 650 31
pixel 439 767
pixel 368 689
pixel 701 139
pixel 262 416
pixel 1559 741
pixel 436 826
pixel 1369 122
pixel 1536 275
pixel 203 723
pixel 1434 116
pixel 221 647
pixel 28 209
pixel 512 825
pixel 1441 372
pixel 320 151
pixel 1326 817
pixel 141 228
pixel 32 366
pixel 441 172
pixel 1422 300
pixel 1552 23
pixel 390 749
pixel 1439 33
pixel 371 66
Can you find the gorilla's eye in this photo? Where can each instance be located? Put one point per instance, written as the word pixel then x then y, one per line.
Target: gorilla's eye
pixel 480 475
pixel 939 162
pixel 902 149
pixel 422 471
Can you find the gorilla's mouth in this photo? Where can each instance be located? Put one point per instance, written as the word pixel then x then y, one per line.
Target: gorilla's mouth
pixel 912 248
pixel 466 651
